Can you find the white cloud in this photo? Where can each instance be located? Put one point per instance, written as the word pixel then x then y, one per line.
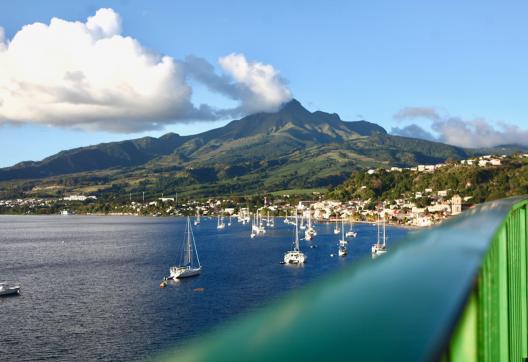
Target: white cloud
pixel 2 39
pixel 417 112
pixel 457 131
pixel 105 23
pixel 88 75
pixel 262 87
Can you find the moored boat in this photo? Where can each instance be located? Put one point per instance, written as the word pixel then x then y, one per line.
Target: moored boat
pixel 187 267
pixel 9 289
pixel 295 256
pixel 380 247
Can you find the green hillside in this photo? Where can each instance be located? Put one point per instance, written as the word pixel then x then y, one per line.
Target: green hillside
pixel 265 152
pixel 480 183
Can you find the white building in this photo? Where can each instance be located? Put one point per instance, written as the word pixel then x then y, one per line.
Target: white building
pixel 495 162
pixel 438 208
pixel 456 205
pixel 79 198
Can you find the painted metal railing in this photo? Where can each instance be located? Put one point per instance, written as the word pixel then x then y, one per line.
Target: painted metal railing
pixel 456 292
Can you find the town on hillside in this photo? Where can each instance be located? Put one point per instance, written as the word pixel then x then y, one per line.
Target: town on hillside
pixel 419 205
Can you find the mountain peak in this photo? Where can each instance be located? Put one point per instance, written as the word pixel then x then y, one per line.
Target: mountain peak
pixel 293 106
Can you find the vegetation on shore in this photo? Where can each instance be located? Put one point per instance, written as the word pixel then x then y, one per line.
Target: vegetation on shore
pixel 471 181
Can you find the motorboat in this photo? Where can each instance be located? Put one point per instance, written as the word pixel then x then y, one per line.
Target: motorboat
pixel 9 289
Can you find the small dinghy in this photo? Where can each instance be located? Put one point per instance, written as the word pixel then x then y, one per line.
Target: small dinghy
pixel 9 289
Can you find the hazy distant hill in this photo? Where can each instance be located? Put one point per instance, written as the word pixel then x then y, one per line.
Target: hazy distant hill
pixel 292 148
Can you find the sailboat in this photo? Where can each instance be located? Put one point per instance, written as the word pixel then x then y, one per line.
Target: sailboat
pixel 254 228
pixel 220 223
pixel 336 228
pixel 229 222
pixel 343 243
pixel 380 247
pixel 269 221
pixel 351 233
pixel 295 256
pixel 310 231
pixel 260 224
pixel 197 220
pixel 187 266
pixel 286 219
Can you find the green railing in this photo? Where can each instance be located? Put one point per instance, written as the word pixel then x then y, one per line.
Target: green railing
pixel 457 292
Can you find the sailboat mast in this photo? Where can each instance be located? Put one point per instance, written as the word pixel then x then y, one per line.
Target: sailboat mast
pixel 194 244
pixel 384 238
pixel 378 233
pixel 189 247
pixel 342 229
pixel 296 233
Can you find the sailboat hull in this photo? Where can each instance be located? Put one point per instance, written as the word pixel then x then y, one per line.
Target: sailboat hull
pixel 177 272
pixel 378 249
pixel 294 257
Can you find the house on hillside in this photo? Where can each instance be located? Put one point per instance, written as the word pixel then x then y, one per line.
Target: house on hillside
pixel 456 205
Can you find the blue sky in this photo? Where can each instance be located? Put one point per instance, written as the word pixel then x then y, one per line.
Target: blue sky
pixel 363 60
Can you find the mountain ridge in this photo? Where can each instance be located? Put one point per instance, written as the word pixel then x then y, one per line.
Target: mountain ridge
pixel 141 150
pixel 290 148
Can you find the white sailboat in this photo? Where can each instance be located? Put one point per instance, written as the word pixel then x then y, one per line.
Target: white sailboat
pixel 308 236
pixel 254 228
pixel 302 226
pixel 269 221
pixel 197 219
pixel 336 228
pixel 351 233
pixel 286 219
pixel 187 267
pixel 310 230
pixel 380 247
pixel 295 256
pixel 220 222
pixel 260 224
pixel 244 216
pixel 343 243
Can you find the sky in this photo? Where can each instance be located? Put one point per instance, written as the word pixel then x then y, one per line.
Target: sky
pixel 449 71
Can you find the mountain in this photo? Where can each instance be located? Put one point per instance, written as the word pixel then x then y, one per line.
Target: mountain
pixel 291 148
pixel 292 127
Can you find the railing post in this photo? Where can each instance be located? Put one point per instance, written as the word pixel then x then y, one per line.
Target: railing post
pixel 463 346
pixel 503 295
pixel 524 279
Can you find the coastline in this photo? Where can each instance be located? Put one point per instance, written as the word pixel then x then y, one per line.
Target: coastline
pixel 403 226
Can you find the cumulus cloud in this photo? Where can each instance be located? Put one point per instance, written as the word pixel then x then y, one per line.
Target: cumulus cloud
pixel 413 131
pixel 260 84
pixel 88 75
pixel 257 86
pixel 457 131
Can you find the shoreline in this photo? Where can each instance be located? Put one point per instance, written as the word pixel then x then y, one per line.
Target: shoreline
pixel 405 226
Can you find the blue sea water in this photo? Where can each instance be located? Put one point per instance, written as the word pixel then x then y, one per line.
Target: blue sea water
pixel 90 284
